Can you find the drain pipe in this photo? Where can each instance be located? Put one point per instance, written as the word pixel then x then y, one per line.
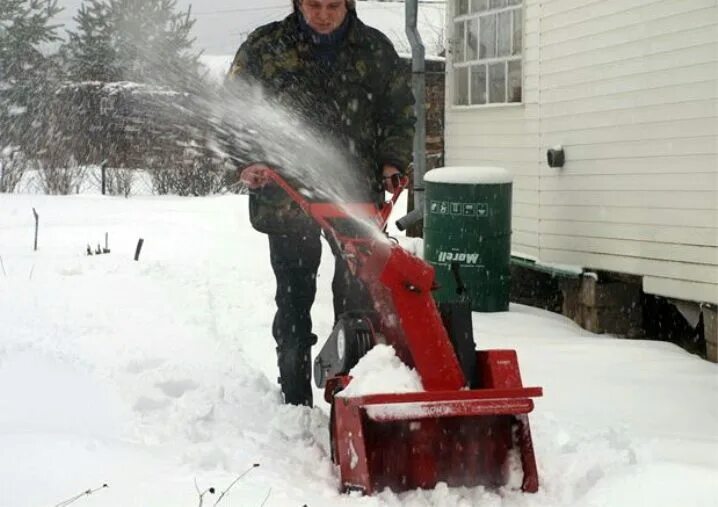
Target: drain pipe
pixel 418 82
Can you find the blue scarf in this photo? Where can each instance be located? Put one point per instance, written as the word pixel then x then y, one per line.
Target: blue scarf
pixel 325 46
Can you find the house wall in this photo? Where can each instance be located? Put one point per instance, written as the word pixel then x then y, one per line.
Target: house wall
pixel 504 135
pixel 435 100
pixel 629 88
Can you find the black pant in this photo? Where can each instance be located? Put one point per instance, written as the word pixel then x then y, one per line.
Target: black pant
pixel 295 261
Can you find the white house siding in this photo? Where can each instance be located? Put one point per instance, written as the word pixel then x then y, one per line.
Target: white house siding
pixel 630 89
pixel 506 136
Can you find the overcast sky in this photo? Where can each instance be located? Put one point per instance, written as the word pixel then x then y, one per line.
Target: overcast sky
pixel 221 24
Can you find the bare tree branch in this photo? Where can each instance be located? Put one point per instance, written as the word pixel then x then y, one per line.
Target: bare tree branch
pixel 202 493
pixel 266 497
pixel 235 482
pixel 75 498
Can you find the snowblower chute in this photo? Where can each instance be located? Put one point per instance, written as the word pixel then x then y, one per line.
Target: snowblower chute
pixel 469 426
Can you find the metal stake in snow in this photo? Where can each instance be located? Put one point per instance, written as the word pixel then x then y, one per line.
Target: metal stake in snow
pixel 138 250
pixel 37 225
pixel 103 172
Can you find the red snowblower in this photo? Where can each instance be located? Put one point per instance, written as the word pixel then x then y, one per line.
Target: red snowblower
pixel 469 426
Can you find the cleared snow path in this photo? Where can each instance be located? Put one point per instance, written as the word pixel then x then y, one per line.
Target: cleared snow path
pixel 148 375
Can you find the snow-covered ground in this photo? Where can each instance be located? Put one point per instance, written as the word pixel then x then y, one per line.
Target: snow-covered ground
pixel 150 375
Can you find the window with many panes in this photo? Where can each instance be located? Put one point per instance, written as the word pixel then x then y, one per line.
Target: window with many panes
pixel 487 43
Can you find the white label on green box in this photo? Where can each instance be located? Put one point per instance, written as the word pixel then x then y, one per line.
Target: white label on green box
pixel 466 209
pixel 463 257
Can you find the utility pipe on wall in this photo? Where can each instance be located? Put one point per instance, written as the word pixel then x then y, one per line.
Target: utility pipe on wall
pixel 418 81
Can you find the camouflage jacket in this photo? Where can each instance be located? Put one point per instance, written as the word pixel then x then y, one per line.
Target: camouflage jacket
pixel 363 98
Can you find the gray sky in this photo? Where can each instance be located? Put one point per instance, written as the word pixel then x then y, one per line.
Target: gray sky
pixel 221 24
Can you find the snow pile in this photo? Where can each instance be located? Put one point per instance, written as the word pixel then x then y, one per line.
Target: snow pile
pixel 381 371
pixel 469 176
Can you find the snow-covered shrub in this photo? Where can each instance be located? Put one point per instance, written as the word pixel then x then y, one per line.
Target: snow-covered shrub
pixel 202 177
pixel 12 168
pixel 62 178
pixel 118 181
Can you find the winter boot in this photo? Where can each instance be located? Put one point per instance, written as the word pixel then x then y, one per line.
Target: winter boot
pixel 295 371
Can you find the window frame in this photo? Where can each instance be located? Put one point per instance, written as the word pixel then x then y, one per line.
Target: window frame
pixel 107 106
pixel 453 19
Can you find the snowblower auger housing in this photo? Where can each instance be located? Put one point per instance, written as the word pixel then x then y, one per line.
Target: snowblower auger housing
pixel 468 427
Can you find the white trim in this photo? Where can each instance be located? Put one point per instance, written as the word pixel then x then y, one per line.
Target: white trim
pixel 681 289
pixel 487 62
pixel 493 105
pixel 465 17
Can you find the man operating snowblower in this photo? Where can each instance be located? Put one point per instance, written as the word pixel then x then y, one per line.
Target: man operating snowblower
pixel 347 80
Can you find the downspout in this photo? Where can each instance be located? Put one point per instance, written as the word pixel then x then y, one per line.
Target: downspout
pixel 418 84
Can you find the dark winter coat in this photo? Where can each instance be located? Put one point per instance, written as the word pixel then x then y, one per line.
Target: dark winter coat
pixel 362 97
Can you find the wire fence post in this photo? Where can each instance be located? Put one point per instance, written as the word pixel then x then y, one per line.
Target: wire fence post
pixel 103 171
pixel 37 225
pixel 138 250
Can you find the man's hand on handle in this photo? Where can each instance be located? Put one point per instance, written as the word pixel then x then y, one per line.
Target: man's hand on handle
pixel 255 176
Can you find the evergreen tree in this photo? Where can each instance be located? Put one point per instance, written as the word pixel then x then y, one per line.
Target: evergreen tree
pixel 26 73
pixel 147 41
pixel 89 53
pixel 153 42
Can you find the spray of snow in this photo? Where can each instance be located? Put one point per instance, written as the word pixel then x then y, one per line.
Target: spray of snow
pixel 245 120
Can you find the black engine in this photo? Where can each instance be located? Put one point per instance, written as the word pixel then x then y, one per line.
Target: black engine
pixel 352 337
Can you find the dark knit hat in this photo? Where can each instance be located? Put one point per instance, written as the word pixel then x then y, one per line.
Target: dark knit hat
pixel 351 4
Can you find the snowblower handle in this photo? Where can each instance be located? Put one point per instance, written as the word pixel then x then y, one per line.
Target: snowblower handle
pixel 259 175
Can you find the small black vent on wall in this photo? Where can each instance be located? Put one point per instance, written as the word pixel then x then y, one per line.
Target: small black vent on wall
pixel 556 156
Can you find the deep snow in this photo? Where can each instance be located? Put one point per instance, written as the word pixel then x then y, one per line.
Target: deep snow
pixel 150 375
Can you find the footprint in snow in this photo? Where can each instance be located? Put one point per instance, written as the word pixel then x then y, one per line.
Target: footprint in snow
pixel 145 405
pixel 142 365
pixel 176 388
